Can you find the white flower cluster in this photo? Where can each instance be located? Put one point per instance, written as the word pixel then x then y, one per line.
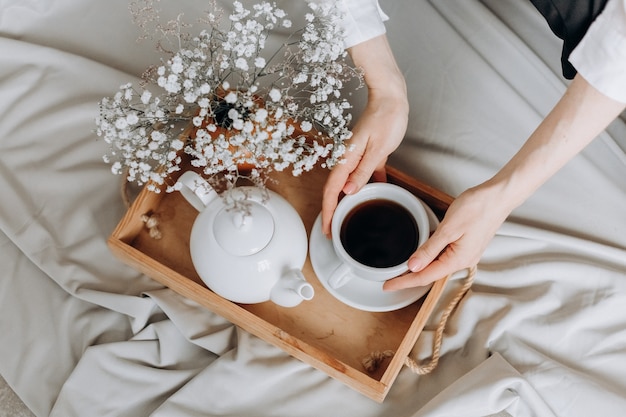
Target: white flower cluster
pixel 250 111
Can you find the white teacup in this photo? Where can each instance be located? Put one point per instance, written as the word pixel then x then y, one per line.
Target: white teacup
pixel 375 231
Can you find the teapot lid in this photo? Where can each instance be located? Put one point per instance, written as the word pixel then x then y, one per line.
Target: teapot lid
pixel 244 234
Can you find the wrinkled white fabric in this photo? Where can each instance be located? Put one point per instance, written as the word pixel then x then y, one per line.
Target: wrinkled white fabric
pixel 541 332
pixel 363 20
pixel 503 390
pixel 601 55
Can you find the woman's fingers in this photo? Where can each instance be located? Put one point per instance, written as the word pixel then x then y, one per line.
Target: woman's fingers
pixel 446 262
pixel 332 189
pixel 338 182
pixel 430 262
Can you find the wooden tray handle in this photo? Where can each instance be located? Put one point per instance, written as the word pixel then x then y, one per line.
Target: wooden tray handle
pixel 374 359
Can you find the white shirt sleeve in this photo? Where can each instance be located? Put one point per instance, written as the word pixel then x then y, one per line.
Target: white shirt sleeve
pixel 600 58
pixel 363 20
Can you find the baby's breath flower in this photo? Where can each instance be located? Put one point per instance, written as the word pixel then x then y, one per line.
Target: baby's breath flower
pixel 242 64
pixel 275 94
pixel 306 126
pixel 177 144
pixel 121 123
pixel 231 97
pixel 259 62
pixel 260 115
pixel 116 168
pixel 132 118
pixel 233 114
pixel 245 103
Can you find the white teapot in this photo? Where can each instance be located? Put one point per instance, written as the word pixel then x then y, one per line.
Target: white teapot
pixel 247 257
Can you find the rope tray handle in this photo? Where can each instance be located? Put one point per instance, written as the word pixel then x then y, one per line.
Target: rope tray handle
pixel 374 359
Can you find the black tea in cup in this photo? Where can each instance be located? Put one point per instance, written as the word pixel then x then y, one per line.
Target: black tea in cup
pixel 379 233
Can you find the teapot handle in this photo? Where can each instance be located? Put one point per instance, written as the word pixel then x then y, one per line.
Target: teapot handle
pixel 196 190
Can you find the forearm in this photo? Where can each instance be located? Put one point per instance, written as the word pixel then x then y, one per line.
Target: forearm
pixel 580 115
pixel 381 72
pixel 379 129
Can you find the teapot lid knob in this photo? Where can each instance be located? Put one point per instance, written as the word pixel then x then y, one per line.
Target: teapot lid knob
pixel 242 234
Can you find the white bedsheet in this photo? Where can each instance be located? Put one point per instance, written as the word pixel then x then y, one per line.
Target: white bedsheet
pixel 541 333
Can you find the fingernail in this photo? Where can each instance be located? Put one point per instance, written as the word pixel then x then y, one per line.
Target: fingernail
pixel 349 188
pixel 413 265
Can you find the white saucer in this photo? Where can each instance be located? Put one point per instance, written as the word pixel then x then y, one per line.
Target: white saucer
pixel 360 293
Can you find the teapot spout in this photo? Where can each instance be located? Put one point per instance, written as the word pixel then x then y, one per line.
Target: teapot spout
pixel 291 289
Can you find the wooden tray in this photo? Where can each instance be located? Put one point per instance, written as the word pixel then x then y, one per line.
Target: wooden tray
pixel 323 332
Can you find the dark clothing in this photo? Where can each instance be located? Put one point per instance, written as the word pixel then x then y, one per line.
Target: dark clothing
pixel 569 20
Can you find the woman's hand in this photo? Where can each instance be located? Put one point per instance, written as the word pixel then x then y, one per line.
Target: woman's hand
pixel 459 241
pixel 379 130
